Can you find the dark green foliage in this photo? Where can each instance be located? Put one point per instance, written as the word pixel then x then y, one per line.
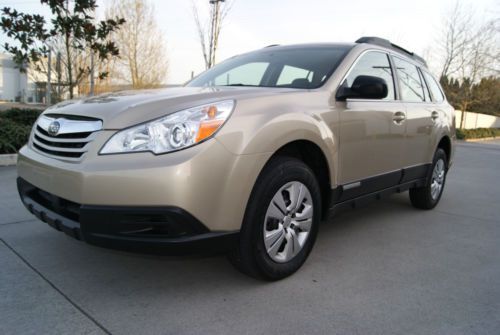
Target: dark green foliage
pixel 483 97
pixel 464 134
pixel 15 128
pixel 487 96
pixel 72 23
pixel 21 116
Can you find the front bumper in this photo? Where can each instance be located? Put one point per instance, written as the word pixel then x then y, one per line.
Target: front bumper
pixel 206 180
pixel 167 228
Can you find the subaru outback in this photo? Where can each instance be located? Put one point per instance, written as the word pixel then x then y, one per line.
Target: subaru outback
pixel 248 157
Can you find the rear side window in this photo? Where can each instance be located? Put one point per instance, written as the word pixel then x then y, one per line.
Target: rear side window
pixel 374 64
pixel 410 83
pixel 427 93
pixel 437 94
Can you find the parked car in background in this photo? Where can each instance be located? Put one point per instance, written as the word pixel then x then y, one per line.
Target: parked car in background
pixel 248 157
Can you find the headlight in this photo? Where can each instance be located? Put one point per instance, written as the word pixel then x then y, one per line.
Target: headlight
pixel 173 132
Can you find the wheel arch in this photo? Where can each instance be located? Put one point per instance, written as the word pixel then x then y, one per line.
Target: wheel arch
pixel 445 144
pixel 313 156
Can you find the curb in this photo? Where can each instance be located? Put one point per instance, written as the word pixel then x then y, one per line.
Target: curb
pixel 481 139
pixel 8 159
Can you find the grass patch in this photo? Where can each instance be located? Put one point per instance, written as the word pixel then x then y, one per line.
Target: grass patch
pixel 465 134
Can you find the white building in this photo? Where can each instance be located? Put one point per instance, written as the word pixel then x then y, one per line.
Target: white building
pixel 14 85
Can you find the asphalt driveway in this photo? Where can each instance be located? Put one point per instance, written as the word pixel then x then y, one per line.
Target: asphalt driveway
pixel 383 269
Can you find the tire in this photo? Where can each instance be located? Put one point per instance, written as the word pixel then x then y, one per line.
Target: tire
pixel 289 239
pixel 428 196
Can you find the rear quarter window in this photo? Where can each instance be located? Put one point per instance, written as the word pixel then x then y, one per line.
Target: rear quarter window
pixel 437 93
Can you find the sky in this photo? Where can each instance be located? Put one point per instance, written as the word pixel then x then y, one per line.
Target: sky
pixel 253 24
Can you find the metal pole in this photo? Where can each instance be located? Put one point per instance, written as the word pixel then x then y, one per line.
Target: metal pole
pixel 91 72
pixel 59 75
pixel 48 93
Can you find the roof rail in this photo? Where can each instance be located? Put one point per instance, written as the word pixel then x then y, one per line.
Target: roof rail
pixel 387 44
pixel 272 45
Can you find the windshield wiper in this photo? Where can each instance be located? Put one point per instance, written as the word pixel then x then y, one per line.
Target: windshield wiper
pixel 239 84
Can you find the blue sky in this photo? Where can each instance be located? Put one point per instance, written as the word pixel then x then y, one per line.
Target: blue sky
pixel 253 24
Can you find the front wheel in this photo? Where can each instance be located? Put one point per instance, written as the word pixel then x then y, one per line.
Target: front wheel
pixel 428 196
pixel 281 221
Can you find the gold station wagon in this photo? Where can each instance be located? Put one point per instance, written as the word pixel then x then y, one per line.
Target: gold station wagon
pixel 248 157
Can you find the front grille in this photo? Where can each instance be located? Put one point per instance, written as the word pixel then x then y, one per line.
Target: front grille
pixel 71 139
pixel 71 135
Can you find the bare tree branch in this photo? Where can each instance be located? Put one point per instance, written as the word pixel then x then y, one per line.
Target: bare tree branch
pixel 209 33
pixel 144 62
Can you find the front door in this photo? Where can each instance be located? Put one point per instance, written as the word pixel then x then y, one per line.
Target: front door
pixel 372 132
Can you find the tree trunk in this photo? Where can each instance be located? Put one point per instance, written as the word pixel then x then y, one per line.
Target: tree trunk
pixel 462 117
pixel 68 55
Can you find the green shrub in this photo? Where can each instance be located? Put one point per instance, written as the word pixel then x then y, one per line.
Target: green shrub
pixel 21 116
pixel 15 128
pixel 464 134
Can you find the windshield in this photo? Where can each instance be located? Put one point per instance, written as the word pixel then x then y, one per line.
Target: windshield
pixel 305 67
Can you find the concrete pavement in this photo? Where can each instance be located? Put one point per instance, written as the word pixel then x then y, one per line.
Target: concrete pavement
pixel 383 269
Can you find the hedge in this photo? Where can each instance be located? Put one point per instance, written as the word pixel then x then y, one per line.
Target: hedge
pixel 464 134
pixel 15 128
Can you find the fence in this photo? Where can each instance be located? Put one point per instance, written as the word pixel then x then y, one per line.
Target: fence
pixel 476 120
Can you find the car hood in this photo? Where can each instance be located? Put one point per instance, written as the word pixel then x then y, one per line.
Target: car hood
pixel 124 109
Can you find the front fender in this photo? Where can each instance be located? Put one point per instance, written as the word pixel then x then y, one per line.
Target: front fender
pixel 268 132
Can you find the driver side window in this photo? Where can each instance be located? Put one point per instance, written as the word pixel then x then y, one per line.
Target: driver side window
pixel 375 64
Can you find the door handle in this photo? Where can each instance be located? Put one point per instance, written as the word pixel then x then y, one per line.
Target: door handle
pixel 434 116
pixel 399 117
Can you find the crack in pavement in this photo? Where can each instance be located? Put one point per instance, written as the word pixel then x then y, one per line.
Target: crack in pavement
pixel 464 216
pixel 20 221
pixel 74 304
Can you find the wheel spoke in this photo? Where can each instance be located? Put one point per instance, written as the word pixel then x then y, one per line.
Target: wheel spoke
pixel 304 225
pixel 273 235
pixel 273 248
pixel 274 211
pixel 295 245
pixel 279 201
pixel 306 213
pixel 300 197
pixel 297 193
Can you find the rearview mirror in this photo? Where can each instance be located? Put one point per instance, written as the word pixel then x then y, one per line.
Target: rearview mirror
pixel 364 87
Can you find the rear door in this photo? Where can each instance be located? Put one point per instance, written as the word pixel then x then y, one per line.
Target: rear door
pixel 372 132
pixel 421 116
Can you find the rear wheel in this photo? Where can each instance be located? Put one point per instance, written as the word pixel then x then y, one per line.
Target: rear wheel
pixel 281 221
pixel 428 196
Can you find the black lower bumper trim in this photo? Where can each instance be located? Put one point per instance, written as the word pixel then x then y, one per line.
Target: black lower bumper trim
pixel 143 229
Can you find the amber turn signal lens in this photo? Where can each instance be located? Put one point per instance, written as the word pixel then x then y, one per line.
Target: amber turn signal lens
pixel 207 129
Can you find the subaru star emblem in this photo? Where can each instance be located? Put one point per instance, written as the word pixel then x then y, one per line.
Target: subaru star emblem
pixel 54 128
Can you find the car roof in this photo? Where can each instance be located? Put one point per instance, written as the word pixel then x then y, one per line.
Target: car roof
pixel 379 43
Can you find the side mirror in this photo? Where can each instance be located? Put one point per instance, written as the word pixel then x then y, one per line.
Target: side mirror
pixel 364 87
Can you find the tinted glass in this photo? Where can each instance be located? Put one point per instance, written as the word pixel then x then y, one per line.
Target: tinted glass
pixel 374 64
pixel 427 94
pixel 409 81
pixel 436 92
pixel 291 73
pixel 307 67
pixel 248 74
